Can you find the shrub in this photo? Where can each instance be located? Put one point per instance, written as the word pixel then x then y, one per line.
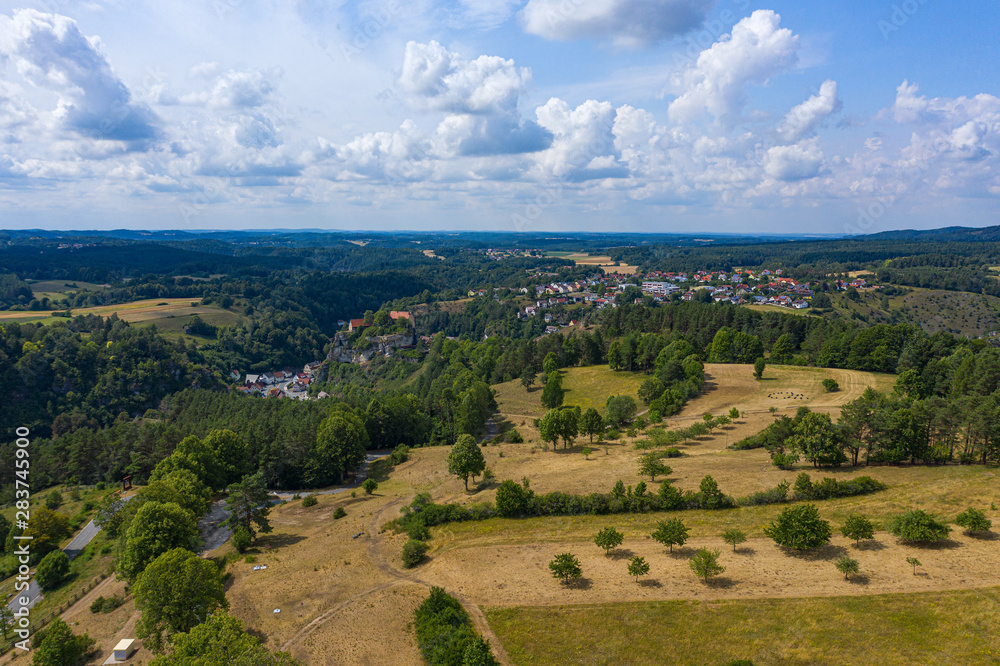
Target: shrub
pixel 799 527
pixel 399 455
pixel 106 604
pixel 830 385
pixel 52 570
pixel 417 530
pixel 369 486
pixel 89 506
pixel 858 527
pixel 784 460
pixel 241 539
pixel 776 495
pixel 515 437
pixel 918 526
pixel 973 520
pixel 54 500
pixel 672 452
pixel 414 552
pixel 445 635
pixel 339 513
pixel 309 500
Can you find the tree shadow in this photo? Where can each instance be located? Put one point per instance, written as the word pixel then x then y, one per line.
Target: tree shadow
pixel 651 582
pixel 280 540
pixel 580 584
pixel 682 551
pixel 621 554
pixel 983 536
pixel 745 550
pixel 821 554
pixel 720 582
pixel 858 579
pixel 943 544
pixel 869 544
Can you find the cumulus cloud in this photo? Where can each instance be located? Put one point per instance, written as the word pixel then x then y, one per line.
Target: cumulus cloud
pixel 584 144
pixel 797 162
pixel 757 50
pixel 481 97
pixel 235 90
pixel 803 119
pixel 622 22
pixel 50 51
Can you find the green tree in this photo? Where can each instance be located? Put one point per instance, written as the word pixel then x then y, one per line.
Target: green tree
pixel 550 363
pixel 591 423
pixel 181 487
pixel 651 465
pixel 619 409
pixel 54 500
pixel 527 378
pixel 705 564
pixel 974 520
pixel 232 453
pixel 221 640
pixel 6 620
pixel 111 516
pixel 609 538
pixel 758 368
pixel 61 647
pixel 478 653
pixel 819 440
pixel 800 528
pixel 369 486
pixel 176 592
pixel 670 532
pixel 248 505
pixel 466 459
pixel 193 454
pixel 241 539
pixel 341 443
pixel 156 529
pixel 709 495
pixel 847 566
pixel 553 393
pixel 830 385
pixel 858 527
pixel 918 526
pixel 512 499
pixel 781 351
pixel 637 566
pixel 52 570
pixel 913 562
pixel 565 567
pixel 734 413
pixel 734 537
pixel 46 528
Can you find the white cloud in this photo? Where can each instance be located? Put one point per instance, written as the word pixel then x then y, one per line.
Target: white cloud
pixel 584 144
pixel 50 51
pixel 235 90
pixel 803 119
pixel 801 161
pixel 481 97
pixel 623 22
pixel 757 50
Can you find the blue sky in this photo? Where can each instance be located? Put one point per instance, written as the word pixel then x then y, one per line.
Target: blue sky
pixel 520 115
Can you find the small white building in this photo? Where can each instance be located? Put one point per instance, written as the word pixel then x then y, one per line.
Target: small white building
pixel 125 649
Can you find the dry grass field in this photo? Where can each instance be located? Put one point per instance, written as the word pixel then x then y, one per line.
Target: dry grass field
pixel 348 600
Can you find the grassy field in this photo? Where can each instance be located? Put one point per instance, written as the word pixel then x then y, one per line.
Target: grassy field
pixel 57 290
pixel 587 387
pixel 777 308
pixel 930 628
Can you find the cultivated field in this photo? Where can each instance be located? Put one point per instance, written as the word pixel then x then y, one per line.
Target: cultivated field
pixel 585 259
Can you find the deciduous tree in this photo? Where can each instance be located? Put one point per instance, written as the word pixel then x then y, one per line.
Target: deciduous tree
pixel 156 529
pixel 565 567
pixel 609 538
pixel 799 527
pixel 670 532
pixel 705 564
pixel 466 459
pixel 637 566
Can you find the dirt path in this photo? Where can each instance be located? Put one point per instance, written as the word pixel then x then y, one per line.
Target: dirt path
pixel 377 558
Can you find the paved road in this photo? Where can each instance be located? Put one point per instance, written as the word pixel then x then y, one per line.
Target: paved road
pixel 79 542
pixel 72 549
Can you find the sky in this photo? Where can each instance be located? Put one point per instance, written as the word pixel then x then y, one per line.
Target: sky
pixel 512 115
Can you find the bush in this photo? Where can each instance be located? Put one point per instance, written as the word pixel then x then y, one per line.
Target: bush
pixel 830 385
pixel 399 455
pixel 445 635
pixel 101 485
pixel 241 539
pixel 52 570
pixel 800 527
pixel 784 460
pixel 369 486
pixel 106 604
pixel 309 500
pixel 89 506
pixel 417 530
pixel 54 500
pixel 672 452
pixel 339 513
pixel 918 526
pixel 414 552
pixel 973 520
pixel 776 495
pixel 515 437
